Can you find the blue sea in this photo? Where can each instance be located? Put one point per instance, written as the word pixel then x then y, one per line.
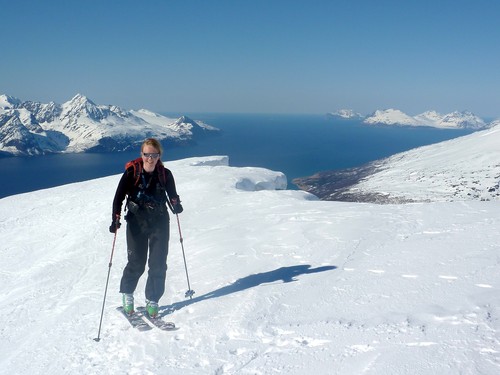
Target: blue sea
pixel 297 145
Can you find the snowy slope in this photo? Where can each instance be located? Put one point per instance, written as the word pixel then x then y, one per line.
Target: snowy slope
pixel 463 168
pixel 284 283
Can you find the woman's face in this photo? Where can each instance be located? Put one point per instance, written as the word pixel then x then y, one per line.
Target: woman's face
pixel 150 157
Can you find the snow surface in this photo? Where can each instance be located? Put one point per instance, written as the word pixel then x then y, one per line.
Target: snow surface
pixel 284 283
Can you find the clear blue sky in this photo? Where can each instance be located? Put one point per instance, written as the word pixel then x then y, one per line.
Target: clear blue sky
pixel 277 56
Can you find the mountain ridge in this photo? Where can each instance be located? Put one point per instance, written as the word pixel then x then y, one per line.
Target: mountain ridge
pixel 30 128
pixel 396 117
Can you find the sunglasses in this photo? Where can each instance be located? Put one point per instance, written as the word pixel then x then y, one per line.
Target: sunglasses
pixel 153 155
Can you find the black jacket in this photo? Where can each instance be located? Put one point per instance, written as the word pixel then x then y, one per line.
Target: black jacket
pixel 147 190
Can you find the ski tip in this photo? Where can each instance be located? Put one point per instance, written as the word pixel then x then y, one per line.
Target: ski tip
pixel 171 327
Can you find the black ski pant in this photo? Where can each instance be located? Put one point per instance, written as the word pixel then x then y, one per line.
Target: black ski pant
pixel 143 234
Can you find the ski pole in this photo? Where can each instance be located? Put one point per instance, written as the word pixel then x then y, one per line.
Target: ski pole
pixel 190 292
pixel 98 338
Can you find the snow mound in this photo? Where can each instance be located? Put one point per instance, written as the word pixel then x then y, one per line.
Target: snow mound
pixel 242 178
pixel 263 180
pixel 209 161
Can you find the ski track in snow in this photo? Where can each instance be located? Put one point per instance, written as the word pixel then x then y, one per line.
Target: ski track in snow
pixel 284 283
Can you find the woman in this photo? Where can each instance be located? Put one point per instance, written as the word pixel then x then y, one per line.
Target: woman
pixel 148 186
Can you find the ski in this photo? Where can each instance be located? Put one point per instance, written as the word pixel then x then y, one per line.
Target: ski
pixel 135 320
pixel 158 322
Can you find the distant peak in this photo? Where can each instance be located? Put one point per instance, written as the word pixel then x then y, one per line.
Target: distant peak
pixel 79 98
pixel 185 120
pixel 7 101
pixel 346 114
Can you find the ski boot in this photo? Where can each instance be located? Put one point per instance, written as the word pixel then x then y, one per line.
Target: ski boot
pixel 128 303
pixel 152 309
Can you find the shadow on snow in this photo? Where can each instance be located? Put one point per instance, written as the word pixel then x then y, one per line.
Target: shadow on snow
pixel 285 274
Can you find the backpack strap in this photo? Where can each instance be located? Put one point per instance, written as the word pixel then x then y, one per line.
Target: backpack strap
pixel 162 174
pixel 136 164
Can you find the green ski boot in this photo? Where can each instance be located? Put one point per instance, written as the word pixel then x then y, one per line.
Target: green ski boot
pixel 128 303
pixel 152 309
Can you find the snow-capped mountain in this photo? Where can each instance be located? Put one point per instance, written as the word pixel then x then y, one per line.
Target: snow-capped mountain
pixel 7 101
pixel 346 114
pixel 465 168
pixel 79 125
pixel 464 120
pixel 453 120
pixel 390 117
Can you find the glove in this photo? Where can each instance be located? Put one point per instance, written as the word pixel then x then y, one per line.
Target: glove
pixel 176 205
pixel 115 224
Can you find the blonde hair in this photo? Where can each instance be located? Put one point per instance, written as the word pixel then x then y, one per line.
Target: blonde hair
pixel 154 143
